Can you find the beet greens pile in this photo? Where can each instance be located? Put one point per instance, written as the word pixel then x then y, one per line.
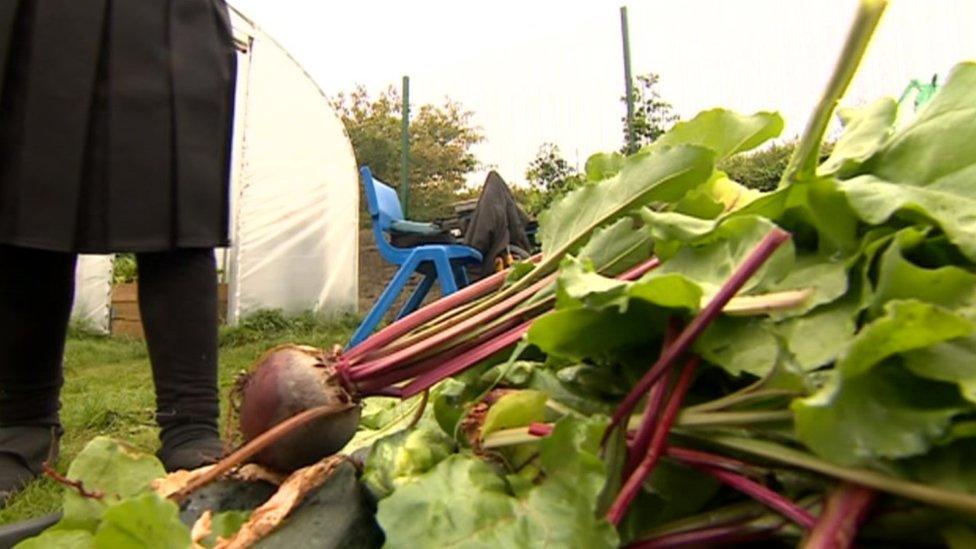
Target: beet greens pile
pixel 798 364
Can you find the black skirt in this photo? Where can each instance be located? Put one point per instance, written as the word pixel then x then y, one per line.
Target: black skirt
pixel 115 124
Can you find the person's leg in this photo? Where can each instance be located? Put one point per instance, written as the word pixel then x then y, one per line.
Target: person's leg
pixel 178 302
pixel 36 293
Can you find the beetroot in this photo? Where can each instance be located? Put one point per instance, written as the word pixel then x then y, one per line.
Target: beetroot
pixel 286 381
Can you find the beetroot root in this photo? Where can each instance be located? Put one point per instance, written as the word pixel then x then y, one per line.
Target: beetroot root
pixel 286 381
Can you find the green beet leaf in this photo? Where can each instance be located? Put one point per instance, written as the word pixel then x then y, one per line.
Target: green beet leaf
pixel 711 259
pixel 926 170
pixel 940 141
pixel 950 205
pixel 885 412
pixel 600 166
pixel 60 539
pixel 644 178
pixel 949 467
pixel 950 286
pixel 865 130
pixel 817 206
pixel 146 521
pixel 464 502
pixel 224 525
pixel 109 467
pixel 515 409
pixel 952 361
pixel 740 345
pixel 907 325
pixel 723 131
pixel 820 336
pixel 401 458
pixel 617 247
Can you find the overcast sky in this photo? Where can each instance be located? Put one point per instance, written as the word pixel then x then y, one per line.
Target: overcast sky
pixel 537 71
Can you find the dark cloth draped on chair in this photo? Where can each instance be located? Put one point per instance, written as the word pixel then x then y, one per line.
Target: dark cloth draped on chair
pixel 496 224
pixel 115 132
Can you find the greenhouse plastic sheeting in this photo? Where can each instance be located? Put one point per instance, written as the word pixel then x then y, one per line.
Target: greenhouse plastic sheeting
pixel 294 197
pixel 93 292
pixel 295 234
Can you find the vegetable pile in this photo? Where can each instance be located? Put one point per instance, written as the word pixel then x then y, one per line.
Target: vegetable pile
pixel 691 362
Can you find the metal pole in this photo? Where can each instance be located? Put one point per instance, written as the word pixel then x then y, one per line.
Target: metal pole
pixel 405 150
pixel 629 82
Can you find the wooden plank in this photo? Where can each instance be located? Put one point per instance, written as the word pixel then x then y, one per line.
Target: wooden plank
pixel 127 319
pixel 128 328
pixel 125 292
pixel 126 310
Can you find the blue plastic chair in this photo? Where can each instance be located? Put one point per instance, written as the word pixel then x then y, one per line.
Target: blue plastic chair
pixel 448 260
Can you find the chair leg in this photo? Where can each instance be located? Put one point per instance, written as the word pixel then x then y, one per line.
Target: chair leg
pixel 417 297
pixel 446 273
pixel 383 304
pixel 461 275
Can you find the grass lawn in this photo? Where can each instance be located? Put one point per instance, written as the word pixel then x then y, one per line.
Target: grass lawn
pixel 108 390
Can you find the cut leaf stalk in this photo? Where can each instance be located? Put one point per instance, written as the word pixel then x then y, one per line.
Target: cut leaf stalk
pixel 683 343
pixel 633 485
pixel 845 510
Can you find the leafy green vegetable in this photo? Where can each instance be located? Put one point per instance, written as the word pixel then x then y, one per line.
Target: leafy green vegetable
pixel 644 178
pixel 907 325
pixel 109 467
pixel 146 521
pixel 925 170
pixel 884 412
pixel 515 409
pixel 725 132
pixel 225 525
pixel 865 130
pixel 464 501
pixel 403 457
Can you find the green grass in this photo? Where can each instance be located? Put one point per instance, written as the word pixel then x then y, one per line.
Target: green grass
pixel 108 389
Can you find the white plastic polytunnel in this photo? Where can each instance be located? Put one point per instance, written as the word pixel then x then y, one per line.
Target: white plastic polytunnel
pixel 294 197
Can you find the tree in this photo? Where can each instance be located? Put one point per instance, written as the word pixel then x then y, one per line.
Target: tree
pixel 441 137
pixel 549 176
pixel 652 115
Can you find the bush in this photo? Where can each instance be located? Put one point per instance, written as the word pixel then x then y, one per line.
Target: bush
pixel 124 269
pixel 763 169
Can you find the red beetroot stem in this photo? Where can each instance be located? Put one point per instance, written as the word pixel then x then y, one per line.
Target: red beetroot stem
pixel 705 459
pixel 847 506
pixel 767 497
pixel 655 400
pixel 445 365
pixel 385 379
pixel 421 316
pixel 401 355
pixel 467 359
pixel 640 270
pixel 753 262
pixel 706 537
pixel 638 446
pixel 540 429
pixel 633 485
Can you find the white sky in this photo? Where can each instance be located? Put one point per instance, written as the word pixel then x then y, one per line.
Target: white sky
pixel 546 70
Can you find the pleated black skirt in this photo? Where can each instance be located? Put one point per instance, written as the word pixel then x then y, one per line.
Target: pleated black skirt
pixel 115 124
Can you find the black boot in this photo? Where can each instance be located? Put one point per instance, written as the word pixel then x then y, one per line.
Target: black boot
pixel 190 447
pixel 23 452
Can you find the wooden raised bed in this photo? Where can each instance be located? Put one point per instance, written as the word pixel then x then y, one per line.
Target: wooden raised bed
pixel 126 319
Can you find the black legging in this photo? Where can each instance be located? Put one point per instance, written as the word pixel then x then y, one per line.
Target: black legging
pixel 178 302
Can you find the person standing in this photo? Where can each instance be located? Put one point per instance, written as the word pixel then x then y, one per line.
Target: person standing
pixel 115 136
